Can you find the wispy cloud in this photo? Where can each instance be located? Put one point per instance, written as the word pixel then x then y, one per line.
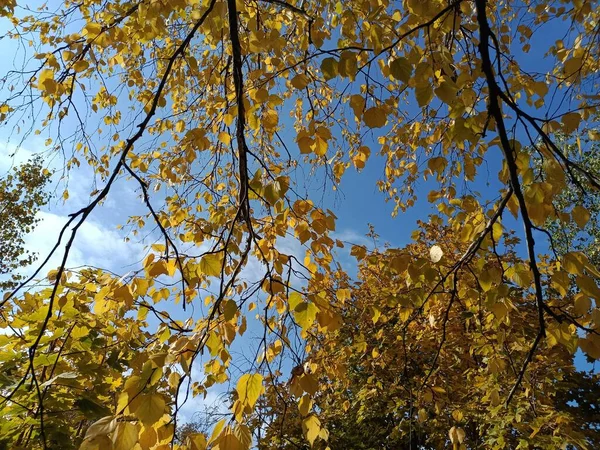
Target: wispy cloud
pixel 95 245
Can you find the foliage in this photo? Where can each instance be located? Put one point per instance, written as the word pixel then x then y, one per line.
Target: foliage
pixel 22 194
pixel 81 369
pixel 398 377
pixel 582 234
pixel 230 117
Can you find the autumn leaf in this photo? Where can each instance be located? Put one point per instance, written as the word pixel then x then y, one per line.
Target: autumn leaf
pixel 329 67
pixel 375 117
pixel 401 69
pixel 311 427
pixel 149 408
pixel 210 265
pixel 249 388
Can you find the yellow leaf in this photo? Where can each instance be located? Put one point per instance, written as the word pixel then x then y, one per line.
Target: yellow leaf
pixel 305 405
pixel 157 269
pixel 244 436
pixel 375 117
pixel 79 332
pixel 300 81
pixel 376 315
pixel 582 304
pixel 446 92
pixel 437 164
pixel 229 309
pixel 588 286
pixel 229 441
pixel 401 69
pixel 324 434
pixel 125 436
pixel 424 94
pixel 81 65
pixel 329 67
pixel 104 426
pixel 249 388
pixel 148 437
pixel 123 294
pixel 357 103
pixel 149 408
pixel 171 267
pixel 561 282
pixel 309 383
pixel 320 146
pixel 102 442
pixel 580 215
pixel 270 119
pixel 457 415
pixel 347 65
pixel 225 137
pixel 572 263
pixel 457 435
pixel 46 81
pixel 141 286
pixel 343 295
pixel 217 430
pixel 92 30
pixel 196 441
pixel 311 426
pixel 571 121
pixel 305 314
pixel 294 299
pixel 305 144
pixel 590 346
pixel 211 264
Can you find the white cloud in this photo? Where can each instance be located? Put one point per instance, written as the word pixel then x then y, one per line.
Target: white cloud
pixel 11 156
pixel 195 406
pixel 94 245
pixel 351 237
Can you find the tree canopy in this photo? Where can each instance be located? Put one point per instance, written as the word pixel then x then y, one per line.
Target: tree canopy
pixel 232 120
pixel 22 194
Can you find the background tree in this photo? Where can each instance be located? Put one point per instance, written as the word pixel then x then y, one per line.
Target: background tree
pixel 575 232
pixel 414 368
pixel 22 194
pixel 81 372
